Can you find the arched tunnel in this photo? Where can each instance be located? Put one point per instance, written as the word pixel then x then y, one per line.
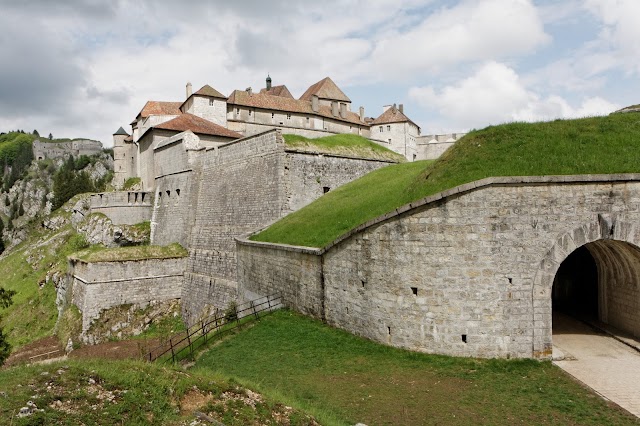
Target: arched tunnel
pixel 601 281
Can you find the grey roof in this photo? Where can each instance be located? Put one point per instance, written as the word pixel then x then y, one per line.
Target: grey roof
pixel 121 131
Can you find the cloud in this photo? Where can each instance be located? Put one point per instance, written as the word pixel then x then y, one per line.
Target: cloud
pixel 495 94
pixel 468 32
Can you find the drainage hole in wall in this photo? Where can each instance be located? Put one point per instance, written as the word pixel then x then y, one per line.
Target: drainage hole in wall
pixel 464 338
pixel 414 290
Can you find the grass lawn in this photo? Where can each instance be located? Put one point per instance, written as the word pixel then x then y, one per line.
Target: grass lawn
pixel 597 145
pixel 343 144
pixel 99 392
pixel 342 379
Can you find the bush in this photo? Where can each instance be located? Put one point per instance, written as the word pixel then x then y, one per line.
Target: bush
pixel 231 313
pixel 77 242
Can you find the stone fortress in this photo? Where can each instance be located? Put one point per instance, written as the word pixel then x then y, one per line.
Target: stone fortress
pixel 471 271
pixel 76 147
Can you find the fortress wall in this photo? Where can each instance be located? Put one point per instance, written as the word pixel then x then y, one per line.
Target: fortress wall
pixel 308 175
pixel 240 190
pixel 431 151
pixel 102 285
pixel 175 194
pixel 317 128
pixel 294 273
pixel 481 262
pixel 123 207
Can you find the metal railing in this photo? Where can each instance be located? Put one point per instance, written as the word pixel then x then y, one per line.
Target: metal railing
pixel 218 323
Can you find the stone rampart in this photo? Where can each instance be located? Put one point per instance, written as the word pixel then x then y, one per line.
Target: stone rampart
pixel 467 272
pixel 102 285
pixel 77 147
pixel 123 207
pixel 244 186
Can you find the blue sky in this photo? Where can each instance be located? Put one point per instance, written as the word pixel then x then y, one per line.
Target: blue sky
pixel 84 68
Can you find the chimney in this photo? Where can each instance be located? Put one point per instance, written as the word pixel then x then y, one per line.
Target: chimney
pixel 343 110
pixel 314 103
pixel 401 108
pixel 249 91
pixel 334 108
pixel 361 113
pixel 394 108
pixel 189 90
pixel 268 82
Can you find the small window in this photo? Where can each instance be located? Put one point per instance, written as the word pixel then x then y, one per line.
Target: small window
pixel 288 116
pixel 307 119
pixel 168 193
pixel 380 128
pixel 414 290
pixel 325 189
pixel 178 192
pixel 388 128
pixel 249 113
pixel 389 140
pixel 212 102
pixel 273 115
pixel 237 110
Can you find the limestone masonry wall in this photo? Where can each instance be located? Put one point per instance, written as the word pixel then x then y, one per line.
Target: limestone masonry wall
pixel 467 272
pixel 102 285
pixel 239 190
pixel 123 207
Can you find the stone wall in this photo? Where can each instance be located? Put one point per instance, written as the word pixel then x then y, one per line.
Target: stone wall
pixel 401 137
pixel 103 285
pixel 248 129
pixel 467 272
pixel 244 186
pixel 123 207
pixel 77 147
pixel 430 147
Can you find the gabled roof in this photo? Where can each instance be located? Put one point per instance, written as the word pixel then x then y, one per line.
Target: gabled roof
pixel 392 115
pixel 197 125
pixel 121 131
pixel 160 108
pixel 279 103
pixel 207 90
pixel 278 91
pixel 325 89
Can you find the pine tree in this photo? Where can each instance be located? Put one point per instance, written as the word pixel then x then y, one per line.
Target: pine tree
pixel 5 302
pixel 50 136
pixel 35 132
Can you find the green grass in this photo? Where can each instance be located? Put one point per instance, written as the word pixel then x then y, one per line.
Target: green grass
pixel 120 254
pixel 342 379
pixel 346 207
pixel 343 144
pixel 597 145
pixel 95 392
pixel 130 183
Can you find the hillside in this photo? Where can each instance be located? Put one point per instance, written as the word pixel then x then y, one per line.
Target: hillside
pixel 597 145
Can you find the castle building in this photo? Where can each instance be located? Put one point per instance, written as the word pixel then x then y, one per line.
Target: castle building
pixel 322 110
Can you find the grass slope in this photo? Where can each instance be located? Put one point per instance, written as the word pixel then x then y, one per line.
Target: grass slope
pixel 342 379
pixel 343 144
pixel 586 146
pixel 97 392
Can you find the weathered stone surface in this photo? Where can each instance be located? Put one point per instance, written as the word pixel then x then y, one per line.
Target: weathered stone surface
pixel 470 276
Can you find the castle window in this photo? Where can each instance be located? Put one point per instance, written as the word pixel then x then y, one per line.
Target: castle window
pixel 211 102
pixel 249 113
pixel 307 120
pixel 273 115
pixel 381 128
pixel 237 110
pixel 178 192
pixel 168 193
pixel 388 128
pixel 288 116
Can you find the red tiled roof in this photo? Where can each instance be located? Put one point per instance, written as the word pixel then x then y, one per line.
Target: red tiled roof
pixel 278 91
pixel 160 108
pixel 279 103
pixel 325 89
pixel 197 125
pixel 207 90
pixel 392 115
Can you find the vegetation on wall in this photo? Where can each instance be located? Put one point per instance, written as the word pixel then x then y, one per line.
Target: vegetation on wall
pixel 343 144
pixel 70 180
pixel 16 155
pixel 596 145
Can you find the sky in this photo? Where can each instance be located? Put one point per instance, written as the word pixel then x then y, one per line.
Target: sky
pixel 84 68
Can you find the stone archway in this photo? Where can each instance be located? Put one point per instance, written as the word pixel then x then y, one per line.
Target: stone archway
pixel 614 247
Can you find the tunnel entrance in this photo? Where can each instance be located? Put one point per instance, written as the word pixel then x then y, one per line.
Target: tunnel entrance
pixel 575 287
pixel 599 282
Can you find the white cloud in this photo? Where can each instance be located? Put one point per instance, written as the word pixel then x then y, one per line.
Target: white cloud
pixel 495 94
pixel 467 32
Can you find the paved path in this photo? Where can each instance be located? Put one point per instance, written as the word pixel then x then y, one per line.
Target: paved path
pixel 606 365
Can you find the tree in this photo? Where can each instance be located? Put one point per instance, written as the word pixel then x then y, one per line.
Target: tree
pixel 35 132
pixel 1 240
pixel 50 136
pixel 5 302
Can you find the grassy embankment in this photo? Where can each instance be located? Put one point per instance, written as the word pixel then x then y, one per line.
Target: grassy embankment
pixel 586 146
pixel 98 392
pixel 346 144
pixel 343 379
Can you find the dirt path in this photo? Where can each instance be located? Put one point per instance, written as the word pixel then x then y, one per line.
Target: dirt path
pixel 40 350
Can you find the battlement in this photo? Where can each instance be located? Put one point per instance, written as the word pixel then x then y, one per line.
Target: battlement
pixel 124 207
